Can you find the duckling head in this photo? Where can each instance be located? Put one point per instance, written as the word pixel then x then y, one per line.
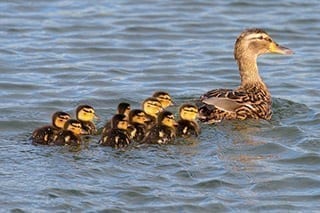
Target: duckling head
pixel 123 108
pixel 59 119
pixel 119 121
pixel 167 118
pixel 85 113
pixel 138 116
pixel 164 98
pixel 255 42
pixel 188 112
pixel 152 106
pixel 74 126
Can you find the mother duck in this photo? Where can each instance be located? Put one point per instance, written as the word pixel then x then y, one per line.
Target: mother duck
pixel 252 98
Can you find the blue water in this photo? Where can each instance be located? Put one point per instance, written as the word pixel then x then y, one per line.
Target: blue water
pixel 55 55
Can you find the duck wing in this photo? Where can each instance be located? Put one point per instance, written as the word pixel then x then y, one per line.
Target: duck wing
pixel 224 99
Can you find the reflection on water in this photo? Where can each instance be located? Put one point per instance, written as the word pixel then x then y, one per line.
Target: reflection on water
pixel 57 55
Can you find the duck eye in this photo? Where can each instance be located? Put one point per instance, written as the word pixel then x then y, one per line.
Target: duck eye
pixel 261 37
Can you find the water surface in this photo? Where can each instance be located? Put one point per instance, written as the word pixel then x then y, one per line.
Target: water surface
pixel 57 55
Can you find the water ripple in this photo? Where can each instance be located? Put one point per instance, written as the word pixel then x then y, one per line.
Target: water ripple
pixel 56 55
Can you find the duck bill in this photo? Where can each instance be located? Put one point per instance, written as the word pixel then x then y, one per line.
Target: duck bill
pixel 175 124
pixel 83 132
pixel 276 48
pixel 96 117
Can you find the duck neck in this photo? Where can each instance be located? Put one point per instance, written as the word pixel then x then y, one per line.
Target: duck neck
pixel 249 72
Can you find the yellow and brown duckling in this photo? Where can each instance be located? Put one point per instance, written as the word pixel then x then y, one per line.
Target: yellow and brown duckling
pixel 152 107
pixel 46 135
pixel 70 135
pixel 86 115
pixel 252 98
pixel 124 109
pixel 137 124
pixel 165 130
pixel 164 98
pixel 117 136
pixel 187 125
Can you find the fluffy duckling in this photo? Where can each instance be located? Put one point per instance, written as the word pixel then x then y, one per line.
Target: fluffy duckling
pixel 187 125
pixel 70 135
pixel 164 98
pixel 86 114
pixel 252 98
pixel 46 134
pixel 124 109
pixel 117 137
pixel 152 107
pixel 137 124
pixel 164 132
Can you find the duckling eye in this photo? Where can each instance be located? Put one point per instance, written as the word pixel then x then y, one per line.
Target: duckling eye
pixel 170 117
pixel 261 38
pixel 88 110
pixel 166 98
pixel 76 125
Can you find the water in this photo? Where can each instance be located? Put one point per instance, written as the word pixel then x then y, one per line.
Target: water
pixel 56 55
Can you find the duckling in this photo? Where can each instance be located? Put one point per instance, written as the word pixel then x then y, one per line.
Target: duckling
pixel 164 98
pixel 151 106
pixel 117 136
pixel 187 125
pixel 252 98
pixel 137 124
pixel 46 134
pixel 70 135
pixel 86 114
pixel 124 109
pixel 165 130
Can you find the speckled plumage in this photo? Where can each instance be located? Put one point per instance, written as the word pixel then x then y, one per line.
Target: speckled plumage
pixel 187 125
pixel 70 135
pixel 47 134
pixel 117 136
pixel 165 130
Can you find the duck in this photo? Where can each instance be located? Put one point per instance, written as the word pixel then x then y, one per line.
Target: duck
pixel 252 98
pixel 164 98
pixel 70 134
pixel 86 115
pixel 165 130
pixel 138 121
pixel 187 124
pixel 122 108
pixel 117 136
pixel 45 135
pixel 152 107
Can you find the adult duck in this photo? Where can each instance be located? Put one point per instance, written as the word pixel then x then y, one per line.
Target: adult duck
pixel 252 98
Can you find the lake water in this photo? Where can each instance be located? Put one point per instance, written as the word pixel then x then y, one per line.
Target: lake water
pixel 55 55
